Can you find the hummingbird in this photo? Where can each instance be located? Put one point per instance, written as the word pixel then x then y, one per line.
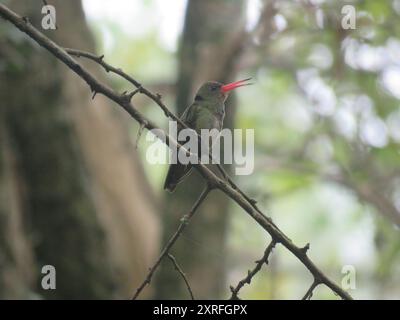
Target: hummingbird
pixel 206 112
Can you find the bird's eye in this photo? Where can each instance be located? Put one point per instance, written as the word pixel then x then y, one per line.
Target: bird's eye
pixel 213 88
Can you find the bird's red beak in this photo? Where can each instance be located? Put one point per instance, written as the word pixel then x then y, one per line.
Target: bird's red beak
pixel 233 85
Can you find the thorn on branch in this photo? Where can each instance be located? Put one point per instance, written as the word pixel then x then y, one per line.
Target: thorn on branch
pixel 253 201
pixel 248 277
pixel 268 251
pixel 26 20
pixel 128 97
pixel 305 248
pixel 142 126
pixel 94 91
pixel 125 97
pixel 252 273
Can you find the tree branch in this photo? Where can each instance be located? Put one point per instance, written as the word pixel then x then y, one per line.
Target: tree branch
pixel 157 99
pixel 139 88
pixel 178 268
pixel 212 180
pixel 252 273
pixel 310 291
pixel 184 222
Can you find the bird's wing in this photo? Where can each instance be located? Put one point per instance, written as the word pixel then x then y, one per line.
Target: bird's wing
pixel 189 115
pixel 177 172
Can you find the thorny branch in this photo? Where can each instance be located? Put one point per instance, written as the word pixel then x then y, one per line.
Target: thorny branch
pixel 213 181
pixel 139 88
pixel 178 268
pixel 252 273
pixel 184 222
pixel 157 99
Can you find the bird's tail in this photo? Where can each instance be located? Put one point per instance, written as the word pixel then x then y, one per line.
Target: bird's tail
pixel 176 173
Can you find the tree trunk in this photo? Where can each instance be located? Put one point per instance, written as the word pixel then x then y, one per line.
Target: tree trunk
pixel 71 180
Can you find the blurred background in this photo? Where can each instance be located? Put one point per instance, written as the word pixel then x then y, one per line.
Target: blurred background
pixel 77 194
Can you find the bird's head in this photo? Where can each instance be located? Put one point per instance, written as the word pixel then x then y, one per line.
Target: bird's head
pixel 213 90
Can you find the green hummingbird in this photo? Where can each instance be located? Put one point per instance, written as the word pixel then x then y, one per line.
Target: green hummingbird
pixel 206 112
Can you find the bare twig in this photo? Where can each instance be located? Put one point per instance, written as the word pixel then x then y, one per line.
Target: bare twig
pixel 178 268
pixel 184 222
pixel 213 181
pixel 140 89
pixel 310 291
pixel 252 273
